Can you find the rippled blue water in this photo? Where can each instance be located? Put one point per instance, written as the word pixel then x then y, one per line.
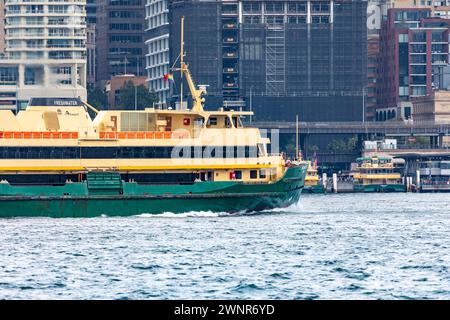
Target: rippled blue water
pixel 377 246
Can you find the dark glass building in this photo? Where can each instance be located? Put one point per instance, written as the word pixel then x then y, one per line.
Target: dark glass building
pixel 277 58
pixel 120 41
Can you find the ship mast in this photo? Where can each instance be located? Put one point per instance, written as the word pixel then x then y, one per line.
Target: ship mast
pixel 197 94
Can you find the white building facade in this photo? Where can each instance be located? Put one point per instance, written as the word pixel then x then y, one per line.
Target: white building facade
pixel 45 51
pixel 157 57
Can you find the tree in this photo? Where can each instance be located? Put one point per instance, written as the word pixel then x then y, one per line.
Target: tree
pixel 418 142
pixel 128 94
pixel 98 98
pixel 337 145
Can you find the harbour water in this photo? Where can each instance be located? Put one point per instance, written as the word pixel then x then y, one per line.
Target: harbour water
pixel 344 246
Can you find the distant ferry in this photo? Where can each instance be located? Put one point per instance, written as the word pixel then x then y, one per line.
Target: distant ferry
pixel 56 161
pixel 312 181
pixel 377 174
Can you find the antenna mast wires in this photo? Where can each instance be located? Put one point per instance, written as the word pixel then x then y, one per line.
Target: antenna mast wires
pixel 197 94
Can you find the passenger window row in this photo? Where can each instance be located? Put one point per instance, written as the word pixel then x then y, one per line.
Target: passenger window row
pixel 127 152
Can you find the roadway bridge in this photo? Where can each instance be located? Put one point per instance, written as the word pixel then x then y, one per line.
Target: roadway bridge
pixel 325 132
pixel 360 128
pixel 412 153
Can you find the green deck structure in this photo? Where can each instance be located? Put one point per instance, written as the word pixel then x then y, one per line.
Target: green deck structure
pixel 104 193
pixel 380 188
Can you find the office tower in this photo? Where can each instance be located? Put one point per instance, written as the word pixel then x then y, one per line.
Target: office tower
pixel 120 38
pixel 414 53
pixel 277 58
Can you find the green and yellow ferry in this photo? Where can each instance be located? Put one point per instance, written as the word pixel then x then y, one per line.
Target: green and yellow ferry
pixel 312 181
pixel 55 160
pixel 376 174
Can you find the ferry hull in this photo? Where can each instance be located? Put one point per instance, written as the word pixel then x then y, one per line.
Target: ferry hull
pixel 314 189
pixel 380 188
pixel 77 200
pixel 122 206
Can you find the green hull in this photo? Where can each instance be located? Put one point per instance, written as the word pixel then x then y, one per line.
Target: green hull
pixel 380 188
pixel 319 188
pixel 105 194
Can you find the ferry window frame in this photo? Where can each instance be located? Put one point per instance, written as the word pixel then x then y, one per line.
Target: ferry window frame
pixel 228 123
pixel 261 150
pixel 262 174
pixel 212 121
pixel 238 174
pixel 199 122
pixel 142 121
pixel 237 122
pixel 253 174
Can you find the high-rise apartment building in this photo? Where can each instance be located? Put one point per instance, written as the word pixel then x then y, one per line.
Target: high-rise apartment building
pixel 45 52
pixel 439 8
pixel 157 46
pixel 277 58
pixel 414 52
pixel 120 38
pixel 2 26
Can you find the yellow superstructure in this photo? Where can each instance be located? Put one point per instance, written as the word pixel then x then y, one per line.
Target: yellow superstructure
pixel 312 177
pixel 197 140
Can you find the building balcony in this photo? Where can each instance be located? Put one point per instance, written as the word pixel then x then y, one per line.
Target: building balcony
pixel 34 46
pixel 229 40
pixel 61 34
pixel 34 12
pixel 230 70
pixel 8 83
pixel 24 35
pixel 230 26
pixel 233 9
pixel 230 85
pixel 230 55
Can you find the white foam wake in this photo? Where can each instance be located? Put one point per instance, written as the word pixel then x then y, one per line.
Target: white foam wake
pixel 297 207
pixel 207 214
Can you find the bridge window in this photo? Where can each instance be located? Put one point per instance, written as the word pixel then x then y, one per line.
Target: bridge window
pixel 237 122
pixel 212 121
pixel 227 122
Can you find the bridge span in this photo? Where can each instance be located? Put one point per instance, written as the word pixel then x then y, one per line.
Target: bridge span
pixel 360 128
pixel 414 153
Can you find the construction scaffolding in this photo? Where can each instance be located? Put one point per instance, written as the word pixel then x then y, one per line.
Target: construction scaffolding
pixel 275 59
pixel 278 58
